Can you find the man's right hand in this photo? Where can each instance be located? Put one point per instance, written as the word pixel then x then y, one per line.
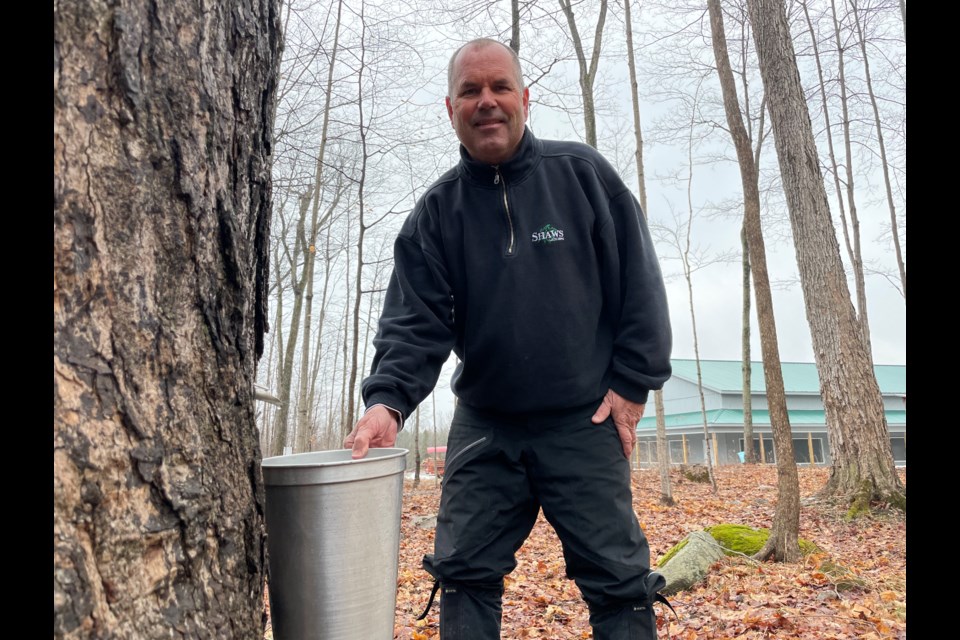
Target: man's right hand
pixel 376 428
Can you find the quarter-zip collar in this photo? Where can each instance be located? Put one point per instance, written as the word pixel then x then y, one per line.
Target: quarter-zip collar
pixel 513 170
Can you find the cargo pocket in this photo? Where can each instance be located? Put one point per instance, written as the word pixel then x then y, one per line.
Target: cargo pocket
pixel 463 455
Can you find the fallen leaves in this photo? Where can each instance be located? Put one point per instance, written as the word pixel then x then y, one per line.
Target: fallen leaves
pixel 739 599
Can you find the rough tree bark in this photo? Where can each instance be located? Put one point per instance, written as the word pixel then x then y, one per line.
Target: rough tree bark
pixel 782 543
pixel 162 196
pixel 862 468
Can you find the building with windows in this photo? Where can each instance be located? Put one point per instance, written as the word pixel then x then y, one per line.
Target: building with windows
pixel 722 383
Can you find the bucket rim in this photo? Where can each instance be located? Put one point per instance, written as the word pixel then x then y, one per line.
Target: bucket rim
pixel 377 454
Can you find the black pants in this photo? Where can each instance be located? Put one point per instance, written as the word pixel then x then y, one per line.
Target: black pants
pixel 500 471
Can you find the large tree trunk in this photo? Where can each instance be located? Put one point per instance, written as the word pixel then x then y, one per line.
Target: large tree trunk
pixel 782 543
pixel 862 467
pixel 162 142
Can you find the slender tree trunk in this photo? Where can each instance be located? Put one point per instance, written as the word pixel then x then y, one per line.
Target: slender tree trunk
pixel 436 476
pixel 308 373
pixel 666 493
pixel 280 430
pixel 688 274
pixel 707 453
pixel 903 15
pixel 749 456
pixel 663 452
pixel 315 223
pixel 588 72
pixel 515 26
pixel 856 256
pixel 416 450
pixel 323 439
pixel 635 98
pixel 782 543
pixel 862 468
pixel 882 148
pixel 276 344
pixel 345 423
pixel 358 288
pixel 162 200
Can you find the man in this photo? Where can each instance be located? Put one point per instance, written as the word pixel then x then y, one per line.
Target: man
pixel 530 260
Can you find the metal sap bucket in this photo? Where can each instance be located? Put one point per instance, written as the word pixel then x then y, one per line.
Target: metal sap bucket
pixel 333 539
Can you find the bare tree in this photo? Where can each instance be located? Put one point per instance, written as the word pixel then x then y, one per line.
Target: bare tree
pixel 851 232
pixel 280 431
pixel 692 259
pixel 782 543
pixel 588 71
pixel 862 468
pixel 313 234
pixel 888 188
pixel 663 459
pixel 162 197
pixel 515 26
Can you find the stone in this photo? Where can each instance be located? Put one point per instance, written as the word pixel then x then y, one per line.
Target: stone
pixel 691 563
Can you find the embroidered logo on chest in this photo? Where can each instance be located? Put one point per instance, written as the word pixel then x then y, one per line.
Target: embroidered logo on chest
pixel 546 235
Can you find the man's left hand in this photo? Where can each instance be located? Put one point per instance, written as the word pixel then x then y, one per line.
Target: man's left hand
pixel 626 415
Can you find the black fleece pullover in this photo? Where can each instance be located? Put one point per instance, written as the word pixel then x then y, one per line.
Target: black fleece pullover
pixel 539 273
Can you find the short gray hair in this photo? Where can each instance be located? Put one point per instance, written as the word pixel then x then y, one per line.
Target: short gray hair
pixel 483 42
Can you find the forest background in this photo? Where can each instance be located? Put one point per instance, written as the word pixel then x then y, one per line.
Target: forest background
pixel 360 113
pixel 221 167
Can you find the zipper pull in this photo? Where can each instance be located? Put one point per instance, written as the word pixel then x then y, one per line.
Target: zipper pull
pixel 496 177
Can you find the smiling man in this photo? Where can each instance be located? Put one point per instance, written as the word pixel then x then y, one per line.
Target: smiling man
pixel 530 260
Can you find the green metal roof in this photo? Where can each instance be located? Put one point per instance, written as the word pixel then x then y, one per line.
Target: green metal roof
pixel 734 418
pixel 725 376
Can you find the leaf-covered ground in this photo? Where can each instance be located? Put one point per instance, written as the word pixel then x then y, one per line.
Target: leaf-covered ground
pixel 740 598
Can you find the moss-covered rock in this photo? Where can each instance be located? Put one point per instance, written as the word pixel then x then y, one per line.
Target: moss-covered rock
pixel 689 562
pixel 672 551
pixel 695 473
pixel 739 538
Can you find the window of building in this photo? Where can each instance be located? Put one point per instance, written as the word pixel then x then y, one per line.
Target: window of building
pixel 769 456
pixel 676 451
pixel 899 447
pixel 801 450
pixel 648 451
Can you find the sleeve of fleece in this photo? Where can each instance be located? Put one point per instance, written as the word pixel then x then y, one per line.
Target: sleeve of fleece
pixel 416 332
pixel 641 352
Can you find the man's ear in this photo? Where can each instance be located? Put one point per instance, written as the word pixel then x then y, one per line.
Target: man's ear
pixel 450 109
pixel 526 102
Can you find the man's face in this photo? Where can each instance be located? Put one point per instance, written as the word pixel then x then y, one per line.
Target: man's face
pixel 487 107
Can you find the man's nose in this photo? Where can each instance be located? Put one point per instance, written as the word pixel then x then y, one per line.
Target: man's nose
pixel 487 100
